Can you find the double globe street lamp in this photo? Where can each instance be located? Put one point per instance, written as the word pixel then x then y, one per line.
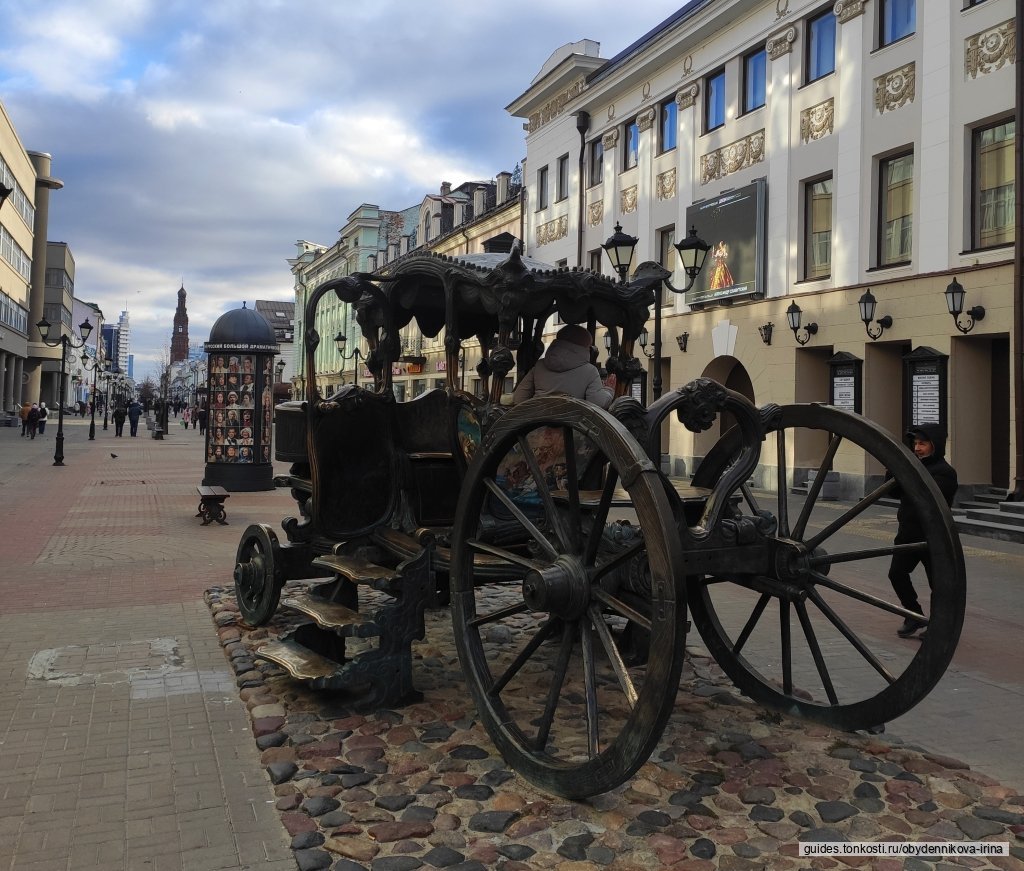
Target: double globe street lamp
pixel 84 330
pixel 355 355
pixel 93 364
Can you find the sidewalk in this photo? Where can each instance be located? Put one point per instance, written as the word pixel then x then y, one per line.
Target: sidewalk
pixel 124 743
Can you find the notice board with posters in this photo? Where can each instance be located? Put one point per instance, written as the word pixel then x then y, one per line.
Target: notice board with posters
pixel 734 225
pixel 845 383
pixel 925 387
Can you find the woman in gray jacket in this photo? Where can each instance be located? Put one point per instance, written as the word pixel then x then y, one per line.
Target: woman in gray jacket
pixel 566 368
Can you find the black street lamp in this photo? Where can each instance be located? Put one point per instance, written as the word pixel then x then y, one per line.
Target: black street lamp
pixel 867 304
pixel 794 315
pixel 92 364
pixel 955 296
pixel 355 355
pixel 106 377
pixel 84 329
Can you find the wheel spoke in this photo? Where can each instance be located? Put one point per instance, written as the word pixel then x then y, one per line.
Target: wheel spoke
pixel 601 515
pixel 546 629
pixel 618 666
pixel 748 494
pixel 555 690
pixel 621 608
pixel 508 556
pixel 500 614
pixel 819 660
pixel 849 635
pixel 751 623
pixel 918 547
pixel 573 482
pixel 524 521
pixel 780 454
pixel 867 598
pixel 539 479
pixel 590 687
pixel 819 482
pixel 849 514
pixel 786 644
pixel 617 560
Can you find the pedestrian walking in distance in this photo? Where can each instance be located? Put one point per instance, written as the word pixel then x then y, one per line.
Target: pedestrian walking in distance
pixel 120 413
pixel 134 413
pixel 44 414
pixel 928 442
pixel 33 420
pixel 25 409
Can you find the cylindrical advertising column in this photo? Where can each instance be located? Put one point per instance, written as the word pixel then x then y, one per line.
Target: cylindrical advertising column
pixel 240 406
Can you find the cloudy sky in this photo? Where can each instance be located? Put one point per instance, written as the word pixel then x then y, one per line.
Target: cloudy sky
pixel 198 139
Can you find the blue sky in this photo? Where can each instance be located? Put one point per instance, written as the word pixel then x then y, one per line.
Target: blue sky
pixel 198 140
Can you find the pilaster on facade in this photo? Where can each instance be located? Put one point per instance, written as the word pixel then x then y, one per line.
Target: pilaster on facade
pixel 852 222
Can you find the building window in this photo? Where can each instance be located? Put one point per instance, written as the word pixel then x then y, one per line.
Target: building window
pixel 596 162
pixel 714 101
pixel 821 45
pixel 755 73
pixel 667 255
pixel 818 228
pixel 542 188
pixel 994 198
pixel 594 258
pixel 562 181
pixel 896 214
pixel 899 19
pixel 631 145
pixel 668 115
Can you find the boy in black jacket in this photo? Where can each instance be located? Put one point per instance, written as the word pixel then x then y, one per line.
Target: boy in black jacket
pixel 928 442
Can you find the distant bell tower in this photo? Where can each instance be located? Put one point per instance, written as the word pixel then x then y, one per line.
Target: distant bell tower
pixel 179 340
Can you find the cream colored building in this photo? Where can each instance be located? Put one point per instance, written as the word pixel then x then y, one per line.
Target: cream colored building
pixel 838 148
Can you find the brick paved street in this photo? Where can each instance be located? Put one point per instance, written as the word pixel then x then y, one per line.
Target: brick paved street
pixel 123 742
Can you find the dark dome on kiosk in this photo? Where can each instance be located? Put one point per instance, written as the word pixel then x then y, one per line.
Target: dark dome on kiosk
pixel 242 326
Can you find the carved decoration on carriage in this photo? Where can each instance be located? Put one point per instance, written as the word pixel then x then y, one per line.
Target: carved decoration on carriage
pixel 700 402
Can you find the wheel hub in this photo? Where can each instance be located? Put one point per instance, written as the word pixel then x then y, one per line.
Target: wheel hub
pixel 247 574
pixel 562 588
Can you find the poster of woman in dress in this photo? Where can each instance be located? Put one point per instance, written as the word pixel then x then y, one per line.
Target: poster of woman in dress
pixel 720 274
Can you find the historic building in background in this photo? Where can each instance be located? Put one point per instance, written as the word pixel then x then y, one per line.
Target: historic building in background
pixel 179 336
pixel 847 161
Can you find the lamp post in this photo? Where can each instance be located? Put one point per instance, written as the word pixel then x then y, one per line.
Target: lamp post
pixel 106 392
pixel 93 366
pixel 84 330
pixel 355 355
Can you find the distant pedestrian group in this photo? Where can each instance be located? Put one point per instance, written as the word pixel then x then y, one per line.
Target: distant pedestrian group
pixel 33 419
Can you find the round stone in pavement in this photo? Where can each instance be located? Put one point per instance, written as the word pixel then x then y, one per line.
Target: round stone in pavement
pixel 320 805
pixel 442 857
pixel 759 813
pixel 394 802
pixel 703 848
pixel 835 811
pixel 312 860
pixel 516 852
pixel 492 821
pixel 281 771
pixel 396 863
pixel 469 751
pixel 305 840
pixel 976 828
pixel 348 865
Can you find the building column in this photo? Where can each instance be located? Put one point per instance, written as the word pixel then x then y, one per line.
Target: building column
pixel 16 385
pixel 5 399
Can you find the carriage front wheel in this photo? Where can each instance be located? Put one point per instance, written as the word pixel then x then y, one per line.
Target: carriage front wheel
pixel 567 709
pixel 814 632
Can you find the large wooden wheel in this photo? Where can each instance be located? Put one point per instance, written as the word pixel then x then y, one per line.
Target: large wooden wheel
pixel 258 575
pixel 813 632
pixel 541 657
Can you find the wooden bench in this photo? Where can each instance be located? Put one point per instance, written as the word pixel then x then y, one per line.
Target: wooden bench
pixel 211 504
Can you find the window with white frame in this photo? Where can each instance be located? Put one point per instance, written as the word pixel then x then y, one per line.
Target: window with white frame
pixel 898 19
pixel 542 188
pixel 994 198
pixel 896 209
pixel 631 145
pixel 596 167
pixel 714 101
pixel 668 123
pixel 821 45
pixel 818 228
pixel 755 74
pixel 562 178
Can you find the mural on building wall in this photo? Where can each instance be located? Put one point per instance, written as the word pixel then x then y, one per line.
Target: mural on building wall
pixel 734 225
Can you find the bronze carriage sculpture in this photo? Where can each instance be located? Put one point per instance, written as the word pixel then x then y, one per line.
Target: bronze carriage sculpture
pixel 597 558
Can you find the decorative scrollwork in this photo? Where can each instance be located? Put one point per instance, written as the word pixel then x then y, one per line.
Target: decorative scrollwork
pixel 595 213
pixel 610 139
pixel 817 121
pixel 702 399
pixel 629 197
pixel 771 417
pixel 665 184
pixel 645 120
pixel 781 44
pixel 686 96
pixel 896 88
pixel 990 50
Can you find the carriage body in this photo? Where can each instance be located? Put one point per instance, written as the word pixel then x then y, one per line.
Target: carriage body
pixel 588 556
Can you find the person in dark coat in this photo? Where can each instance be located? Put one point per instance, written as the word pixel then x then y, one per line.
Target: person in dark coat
pixel 928 442
pixel 33 420
pixel 134 413
pixel 120 413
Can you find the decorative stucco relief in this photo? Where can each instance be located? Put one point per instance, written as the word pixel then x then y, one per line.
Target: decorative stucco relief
pixel 686 96
pixel 595 213
pixel 817 121
pixel 990 50
pixel 555 106
pixel 665 184
pixel 645 120
pixel 730 158
pixel 847 10
pixel 781 8
pixel 629 200
pixel 552 230
pixel 781 44
pixel 896 88
pixel 610 139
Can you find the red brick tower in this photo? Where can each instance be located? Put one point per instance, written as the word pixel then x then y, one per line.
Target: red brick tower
pixel 179 340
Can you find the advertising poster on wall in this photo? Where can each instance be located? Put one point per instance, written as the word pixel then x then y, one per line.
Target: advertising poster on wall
pixel 231 434
pixel 733 223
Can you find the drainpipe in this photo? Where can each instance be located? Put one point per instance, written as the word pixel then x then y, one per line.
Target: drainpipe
pixel 1017 495
pixel 583 125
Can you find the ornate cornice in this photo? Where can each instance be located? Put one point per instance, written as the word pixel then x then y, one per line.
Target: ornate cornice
pixel 895 88
pixel 595 213
pixel 645 120
pixel 817 121
pixel 555 106
pixel 629 200
pixel 687 95
pixel 665 184
pixel 730 158
pixel 610 139
pixel 990 50
pixel 847 10
pixel 552 230
pixel 781 44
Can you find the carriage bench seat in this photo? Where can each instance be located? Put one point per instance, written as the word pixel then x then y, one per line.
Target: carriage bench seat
pixel 211 504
